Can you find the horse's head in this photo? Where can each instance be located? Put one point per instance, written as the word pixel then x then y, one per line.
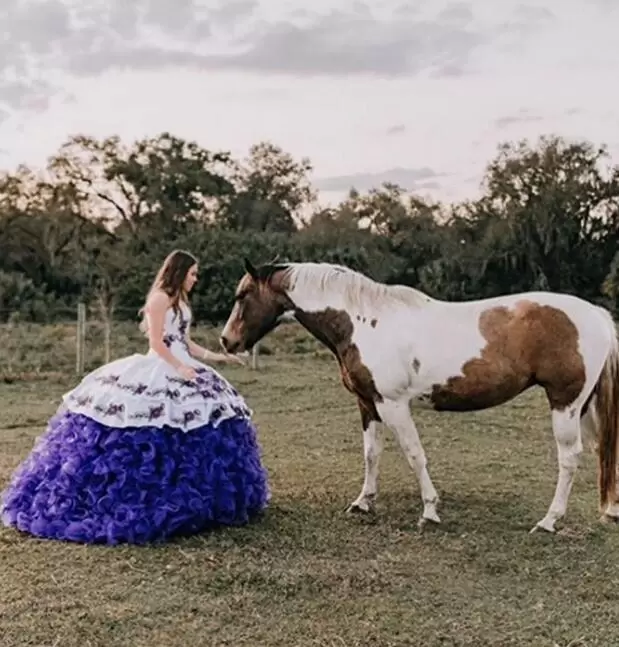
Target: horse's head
pixel 260 303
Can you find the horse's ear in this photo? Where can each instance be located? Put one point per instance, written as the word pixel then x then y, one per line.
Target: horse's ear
pixel 250 269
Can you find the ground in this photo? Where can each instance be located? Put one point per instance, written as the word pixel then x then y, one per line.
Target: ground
pixel 307 574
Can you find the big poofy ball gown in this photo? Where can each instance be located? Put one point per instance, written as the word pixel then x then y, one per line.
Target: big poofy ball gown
pixel 137 454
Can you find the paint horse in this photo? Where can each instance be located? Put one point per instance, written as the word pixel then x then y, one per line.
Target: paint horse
pixel 398 347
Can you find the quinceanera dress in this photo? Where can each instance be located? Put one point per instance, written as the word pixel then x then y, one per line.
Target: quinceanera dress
pixel 138 454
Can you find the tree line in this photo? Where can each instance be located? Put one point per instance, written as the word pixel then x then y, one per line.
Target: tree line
pixel 95 223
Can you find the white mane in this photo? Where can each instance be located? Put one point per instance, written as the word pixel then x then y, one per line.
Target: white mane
pixel 319 281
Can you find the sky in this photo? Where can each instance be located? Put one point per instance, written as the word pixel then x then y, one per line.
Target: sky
pixel 420 93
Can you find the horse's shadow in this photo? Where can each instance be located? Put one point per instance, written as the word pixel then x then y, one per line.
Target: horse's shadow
pixel 463 513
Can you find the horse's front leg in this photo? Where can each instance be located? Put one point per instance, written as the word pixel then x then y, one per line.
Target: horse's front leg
pixel 372 448
pixel 396 415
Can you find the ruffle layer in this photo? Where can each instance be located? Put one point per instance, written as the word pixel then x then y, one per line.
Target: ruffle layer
pixel 92 483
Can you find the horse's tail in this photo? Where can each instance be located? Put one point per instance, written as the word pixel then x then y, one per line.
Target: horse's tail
pixel 607 409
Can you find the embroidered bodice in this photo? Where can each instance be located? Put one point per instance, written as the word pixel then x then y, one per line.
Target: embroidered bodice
pixel 175 327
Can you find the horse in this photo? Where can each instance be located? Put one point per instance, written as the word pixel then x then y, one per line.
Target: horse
pixel 399 349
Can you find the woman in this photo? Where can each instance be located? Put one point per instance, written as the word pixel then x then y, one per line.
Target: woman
pixel 147 446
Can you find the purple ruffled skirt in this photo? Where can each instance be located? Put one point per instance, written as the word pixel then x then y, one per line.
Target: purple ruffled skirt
pixel 90 483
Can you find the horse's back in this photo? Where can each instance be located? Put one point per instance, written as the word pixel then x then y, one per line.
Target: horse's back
pixel 482 353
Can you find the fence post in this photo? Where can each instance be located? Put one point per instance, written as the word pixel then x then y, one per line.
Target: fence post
pixel 107 340
pixel 255 351
pixel 81 338
pixel 105 302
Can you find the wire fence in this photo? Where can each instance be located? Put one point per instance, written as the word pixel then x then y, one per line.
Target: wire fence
pixel 77 339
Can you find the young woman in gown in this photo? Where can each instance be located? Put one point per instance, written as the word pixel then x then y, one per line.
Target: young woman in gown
pixel 146 447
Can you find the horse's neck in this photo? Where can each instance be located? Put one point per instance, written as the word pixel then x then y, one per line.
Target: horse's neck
pixel 331 314
pixel 314 300
pixel 332 327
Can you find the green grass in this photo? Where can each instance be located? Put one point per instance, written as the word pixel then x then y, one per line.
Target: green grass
pixel 307 574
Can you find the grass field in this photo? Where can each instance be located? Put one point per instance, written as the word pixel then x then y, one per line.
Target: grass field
pixel 307 574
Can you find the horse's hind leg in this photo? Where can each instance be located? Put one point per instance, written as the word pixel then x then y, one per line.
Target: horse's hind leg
pixel 372 449
pixel 567 432
pixel 397 416
pixel 590 429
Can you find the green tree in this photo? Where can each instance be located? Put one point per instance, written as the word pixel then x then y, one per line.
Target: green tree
pixel 407 228
pixel 549 218
pixel 42 226
pixel 158 184
pixel 273 191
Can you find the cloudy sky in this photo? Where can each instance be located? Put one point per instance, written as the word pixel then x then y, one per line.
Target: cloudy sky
pixel 417 92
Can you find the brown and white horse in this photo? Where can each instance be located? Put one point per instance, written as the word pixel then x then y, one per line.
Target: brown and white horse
pixel 396 346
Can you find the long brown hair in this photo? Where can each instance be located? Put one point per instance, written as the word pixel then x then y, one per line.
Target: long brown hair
pixel 170 279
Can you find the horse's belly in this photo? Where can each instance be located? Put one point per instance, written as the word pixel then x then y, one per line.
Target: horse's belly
pixel 473 393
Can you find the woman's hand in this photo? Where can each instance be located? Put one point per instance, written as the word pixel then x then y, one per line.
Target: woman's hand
pixel 227 358
pixel 233 359
pixel 187 373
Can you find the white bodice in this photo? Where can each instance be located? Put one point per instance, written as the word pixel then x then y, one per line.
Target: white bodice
pixel 175 327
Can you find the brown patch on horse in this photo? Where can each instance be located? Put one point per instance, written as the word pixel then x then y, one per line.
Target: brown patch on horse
pixel 416 365
pixel 526 345
pixel 334 328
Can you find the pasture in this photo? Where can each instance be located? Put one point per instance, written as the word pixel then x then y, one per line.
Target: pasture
pixel 307 574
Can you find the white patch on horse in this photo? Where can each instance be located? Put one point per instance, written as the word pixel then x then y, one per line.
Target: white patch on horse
pixel 372 449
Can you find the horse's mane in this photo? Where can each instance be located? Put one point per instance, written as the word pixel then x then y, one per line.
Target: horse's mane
pixel 357 289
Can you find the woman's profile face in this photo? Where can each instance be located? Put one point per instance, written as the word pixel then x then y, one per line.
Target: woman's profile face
pixel 191 278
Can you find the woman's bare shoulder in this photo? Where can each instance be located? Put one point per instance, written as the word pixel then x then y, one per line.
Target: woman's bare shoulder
pixel 157 300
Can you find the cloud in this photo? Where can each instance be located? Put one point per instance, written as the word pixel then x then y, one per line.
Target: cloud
pixel 530 15
pixel 456 13
pixel 142 58
pixel 343 42
pixel 408 40
pixel 407 178
pixel 396 129
pixel 44 39
pixel 450 70
pixel 522 117
pixel 231 12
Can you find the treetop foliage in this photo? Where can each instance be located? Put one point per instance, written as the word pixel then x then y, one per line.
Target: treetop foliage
pixel 96 222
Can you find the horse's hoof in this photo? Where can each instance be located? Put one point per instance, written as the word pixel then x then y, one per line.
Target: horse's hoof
pixel 544 525
pixel 431 516
pixel 425 519
pixel 360 507
pixel 430 513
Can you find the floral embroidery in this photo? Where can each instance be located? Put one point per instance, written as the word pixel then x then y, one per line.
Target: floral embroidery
pixel 109 379
pixel 84 400
pixel 205 387
pixel 170 339
pixel 156 412
pixel 115 410
pixel 182 326
pixel 189 416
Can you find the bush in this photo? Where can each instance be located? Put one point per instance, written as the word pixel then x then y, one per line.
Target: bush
pixel 21 299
